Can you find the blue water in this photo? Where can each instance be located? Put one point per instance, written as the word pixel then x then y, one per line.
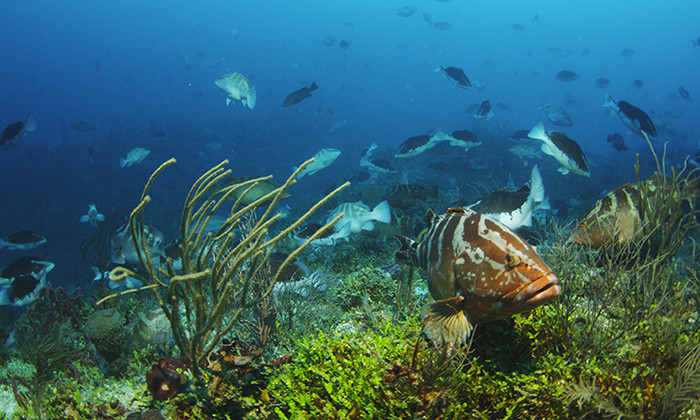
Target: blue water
pixel 158 61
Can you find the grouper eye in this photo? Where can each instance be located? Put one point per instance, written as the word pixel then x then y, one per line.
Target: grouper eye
pixel 512 260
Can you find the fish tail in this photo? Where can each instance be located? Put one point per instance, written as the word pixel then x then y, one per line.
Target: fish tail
pixel 536 185
pixel 537 132
pixel 609 101
pixel 313 86
pixel 448 322
pixel 381 212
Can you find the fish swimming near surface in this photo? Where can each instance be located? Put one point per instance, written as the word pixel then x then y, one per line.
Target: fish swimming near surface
pixel 413 146
pixel 134 157
pixel 478 271
pixel 483 112
pixel 406 11
pixel 514 208
pixel 82 126
pixel 14 133
pixel 684 94
pixel 556 115
pixel 237 88
pixel 359 217
pixel 123 250
pixel 21 281
pixel 627 52
pixel 634 118
pixel 92 216
pixel 441 26
pixel 464 139
pixel 602 82
pixel 456 75
pixel 322 159
pixel 618 143
pixel 566 76
pixel 299 95
pixel 565 150
pixel 22 240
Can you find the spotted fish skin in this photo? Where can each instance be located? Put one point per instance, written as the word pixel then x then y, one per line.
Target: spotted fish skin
pixel 477 269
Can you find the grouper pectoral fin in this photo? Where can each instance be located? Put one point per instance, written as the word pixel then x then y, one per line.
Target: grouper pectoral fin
pixel 448 322
pixel 228 101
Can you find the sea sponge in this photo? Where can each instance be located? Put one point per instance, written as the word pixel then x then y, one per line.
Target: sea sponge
pixel 105 328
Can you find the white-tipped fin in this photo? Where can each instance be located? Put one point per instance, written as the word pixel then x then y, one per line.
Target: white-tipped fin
pixel 538 133
pixel 381 212
pixel 448 323
pixel 543 205
pixel 252 97
pixel 30 123
pixel 609 101
pixel 536 185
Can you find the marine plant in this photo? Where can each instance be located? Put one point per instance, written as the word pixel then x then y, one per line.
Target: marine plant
pixel 204 300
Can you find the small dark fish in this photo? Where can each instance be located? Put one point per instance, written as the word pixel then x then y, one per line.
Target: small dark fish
pixel 484 111
pixel 406 11
pixel 684 94
pixel 638 84
pixel 566 76
pixel 618 143
pixel 299 95
pixel 602 82
pixel 627 52
pixel 344 44
pixel 14 133
pixel 22 240
pixel 82 126
pixel 520 135
pixel 457 75
pixel 427 18
pixel 517 27
pixel 502 106
pixel 328 41
pixel 441 26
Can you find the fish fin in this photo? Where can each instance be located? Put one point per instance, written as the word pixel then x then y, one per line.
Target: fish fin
pixel 563 170
pixel 30 123
pixel 83 219
pixel 100 217
pixel 368 226
pixel 252 97
pixel 448 322
pixel 536 185
pixel 546 149
pixel 543 205
pixel 122 162
pixel 440 136
pixel 118 257
pixel 4 298
pixel 3 243
pixel 381 212
pixel 313 86
pixel 609 102
pixel 538 132
pixel 489 116
pixel 228 101
pixel 528 220
pixel 405 255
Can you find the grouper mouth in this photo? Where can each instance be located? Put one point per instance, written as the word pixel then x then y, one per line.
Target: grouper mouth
pixel 539 291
